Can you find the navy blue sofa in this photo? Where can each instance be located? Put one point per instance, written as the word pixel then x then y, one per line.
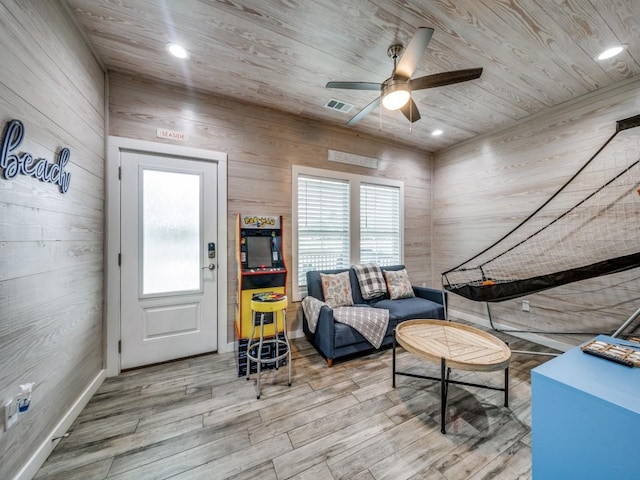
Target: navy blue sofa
pixel 334 340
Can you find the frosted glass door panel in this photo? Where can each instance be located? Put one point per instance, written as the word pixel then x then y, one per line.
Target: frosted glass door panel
pixel 169 303
pixel 171 232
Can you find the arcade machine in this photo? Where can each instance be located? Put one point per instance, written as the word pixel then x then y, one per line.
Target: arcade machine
pixel 261 270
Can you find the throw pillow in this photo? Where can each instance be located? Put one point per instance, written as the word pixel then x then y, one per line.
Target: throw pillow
pixel 336 289
pixel 372 284
pixel 398 284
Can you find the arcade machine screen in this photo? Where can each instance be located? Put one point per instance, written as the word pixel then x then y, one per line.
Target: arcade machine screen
pixel 259 252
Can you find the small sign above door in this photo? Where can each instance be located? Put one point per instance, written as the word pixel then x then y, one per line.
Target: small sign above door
pixel 171 134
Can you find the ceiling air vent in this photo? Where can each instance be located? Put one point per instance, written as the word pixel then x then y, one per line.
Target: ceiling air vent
pixel 339 105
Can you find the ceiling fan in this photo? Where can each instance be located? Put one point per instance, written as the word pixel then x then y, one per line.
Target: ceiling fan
pixel 395 91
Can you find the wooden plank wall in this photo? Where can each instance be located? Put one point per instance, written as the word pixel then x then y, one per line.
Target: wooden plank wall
pixel 486 186
pixel 262 145
pixel 51 273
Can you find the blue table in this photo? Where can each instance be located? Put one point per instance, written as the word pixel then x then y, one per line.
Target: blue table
pixel 585 418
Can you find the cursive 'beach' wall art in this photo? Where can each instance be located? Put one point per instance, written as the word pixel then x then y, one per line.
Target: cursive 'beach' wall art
pixel 13 162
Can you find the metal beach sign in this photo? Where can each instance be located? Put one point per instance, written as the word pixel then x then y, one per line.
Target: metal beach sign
pixel 13 163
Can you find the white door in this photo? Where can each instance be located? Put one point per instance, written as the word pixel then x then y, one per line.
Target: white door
pixel 168 278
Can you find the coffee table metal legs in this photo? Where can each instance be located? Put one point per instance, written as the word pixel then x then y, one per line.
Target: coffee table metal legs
pixel 444 391
pixel 506 387
pixel 393 361
pixel 445 380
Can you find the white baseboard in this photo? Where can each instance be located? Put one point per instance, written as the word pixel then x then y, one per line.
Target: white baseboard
pixel 532 337
pixel 296 334
pixel 29 470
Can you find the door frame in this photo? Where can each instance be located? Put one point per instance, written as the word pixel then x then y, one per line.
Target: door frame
pixel 115 146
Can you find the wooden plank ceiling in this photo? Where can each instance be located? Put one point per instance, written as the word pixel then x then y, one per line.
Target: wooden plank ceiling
pixel 281 53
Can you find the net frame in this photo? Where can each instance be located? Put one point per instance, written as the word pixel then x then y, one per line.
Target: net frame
pixel 589 227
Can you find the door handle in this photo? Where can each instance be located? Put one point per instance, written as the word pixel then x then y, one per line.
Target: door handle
pixel 211 266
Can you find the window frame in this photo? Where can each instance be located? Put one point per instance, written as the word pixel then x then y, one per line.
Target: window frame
pixel 354 181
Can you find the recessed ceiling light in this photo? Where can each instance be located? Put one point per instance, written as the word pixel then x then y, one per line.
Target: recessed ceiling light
pixel 435 133
pixel 611 52
pixel 177 50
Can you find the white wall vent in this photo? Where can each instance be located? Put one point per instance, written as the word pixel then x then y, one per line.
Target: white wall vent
pixel 352 159
pixel 339 105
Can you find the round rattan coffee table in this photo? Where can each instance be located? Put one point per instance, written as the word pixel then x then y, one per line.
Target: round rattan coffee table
pixel 453 345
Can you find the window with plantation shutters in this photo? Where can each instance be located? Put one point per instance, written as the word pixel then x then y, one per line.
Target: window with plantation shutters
pixel 379 224
pixel 323 225
pixel 341 219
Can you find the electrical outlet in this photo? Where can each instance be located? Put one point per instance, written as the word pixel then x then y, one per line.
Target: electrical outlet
pixel 10 414
pixel 525 305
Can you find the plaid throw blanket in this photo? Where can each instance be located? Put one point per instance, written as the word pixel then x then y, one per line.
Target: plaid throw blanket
pixel 311 307
pixel 371 323
pixel 371 280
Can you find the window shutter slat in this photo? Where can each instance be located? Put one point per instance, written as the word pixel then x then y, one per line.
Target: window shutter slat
pixel 380 234
pixel 323 225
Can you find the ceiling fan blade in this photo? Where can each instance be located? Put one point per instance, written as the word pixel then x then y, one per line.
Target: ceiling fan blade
pixel 444 78
pixel 410 110
pixel 414 52
pixel 364 112
pixel 355 85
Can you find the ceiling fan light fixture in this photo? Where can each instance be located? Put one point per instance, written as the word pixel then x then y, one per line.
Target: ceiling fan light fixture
pixel 397 90
pixel 395 95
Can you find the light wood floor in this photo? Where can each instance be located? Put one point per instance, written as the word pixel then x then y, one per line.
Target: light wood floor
pixel 195 419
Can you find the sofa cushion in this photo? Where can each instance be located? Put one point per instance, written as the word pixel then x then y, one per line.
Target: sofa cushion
pixel 398 284
pixel 336 289
pixel 411 308
pixel 314 284
pixel 371 281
